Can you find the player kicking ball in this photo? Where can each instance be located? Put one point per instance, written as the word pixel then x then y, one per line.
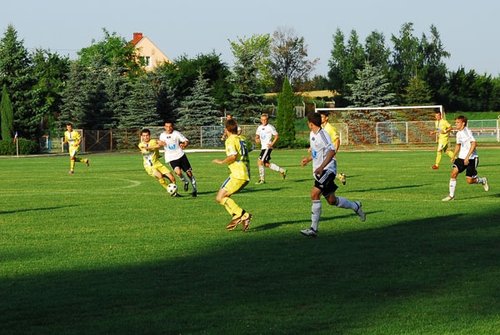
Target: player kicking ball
pixel 151 161
pixel 324 171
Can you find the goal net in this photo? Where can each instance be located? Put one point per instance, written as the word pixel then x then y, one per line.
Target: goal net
pixel 384 125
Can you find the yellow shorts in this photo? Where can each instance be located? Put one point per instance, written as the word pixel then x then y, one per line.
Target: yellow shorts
pixel 442 145
pixel 233 185
pixel 158 166
pixel 73 151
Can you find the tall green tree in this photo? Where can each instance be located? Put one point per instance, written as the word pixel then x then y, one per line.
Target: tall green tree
pixel 417 92
pixel 15 74
pixel 6 115
pixel 112 51
pixel 74 99
pixel 167 103
pixel 346 58
pixel 407 59
pixel 183 72
pixel 285 119
pixel 371 88
pixel 250 75
pixel 199 108
pixel 50 72
pixel 289 59
pixel 376 51
pixel 117 88
pixel 84 97
pixel 469 91
pixel 434 70
pixel 141 110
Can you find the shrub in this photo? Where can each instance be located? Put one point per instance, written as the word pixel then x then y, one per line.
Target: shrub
pixel 26 147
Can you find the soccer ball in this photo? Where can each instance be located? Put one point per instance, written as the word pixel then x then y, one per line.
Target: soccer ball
pixel 172 189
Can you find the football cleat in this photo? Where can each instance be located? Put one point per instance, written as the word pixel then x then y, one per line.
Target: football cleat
pixel 283 174
pixel 435 167
pixel 234 222
pixel 87 162
pixel 186 186
pixel 260 182
pixel 448 198
pixel 71 172
pixel 343 178
pixel 485 185
pixel 309 232
pixel 359 211
pixel 246 219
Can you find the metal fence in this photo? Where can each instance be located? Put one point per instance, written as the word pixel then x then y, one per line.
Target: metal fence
pixel 358 132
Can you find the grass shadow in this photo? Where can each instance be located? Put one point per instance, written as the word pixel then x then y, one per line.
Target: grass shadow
pixel 259 283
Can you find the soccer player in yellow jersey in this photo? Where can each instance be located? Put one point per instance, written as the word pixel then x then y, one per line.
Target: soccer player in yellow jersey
pixel 442 128
pixel 334 136
pixel 151 160
pixel 238 163
pixel 72 137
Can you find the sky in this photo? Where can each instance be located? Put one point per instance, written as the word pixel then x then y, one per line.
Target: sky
pixel 468 29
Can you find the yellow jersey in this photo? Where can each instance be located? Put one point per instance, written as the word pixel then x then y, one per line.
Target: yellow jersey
pixel 442 126
pixel 72 138
pixel 150 156
pixel 235 145
pixel 332 131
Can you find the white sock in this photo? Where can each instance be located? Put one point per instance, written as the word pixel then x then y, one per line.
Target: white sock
pixel 193 182
pixel 315 214
pixel 261 172
pixel 274 167
pixel 480 180
pixel 453 184
pixel 346 203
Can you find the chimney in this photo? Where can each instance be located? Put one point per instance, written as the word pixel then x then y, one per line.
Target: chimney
pixel 137 38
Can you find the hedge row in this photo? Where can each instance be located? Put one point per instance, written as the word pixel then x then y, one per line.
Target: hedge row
pixel 26 147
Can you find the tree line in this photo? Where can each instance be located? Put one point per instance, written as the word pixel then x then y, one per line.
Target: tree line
pixel 106 86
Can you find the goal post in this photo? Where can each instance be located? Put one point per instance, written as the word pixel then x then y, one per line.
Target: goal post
pixel 385 125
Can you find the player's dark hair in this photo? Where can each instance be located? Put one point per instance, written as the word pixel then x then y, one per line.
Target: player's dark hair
pixel 146 131
pixel 462 118
pixel 314 118
pixel 232 126
pixel 325 113
pixel 69 124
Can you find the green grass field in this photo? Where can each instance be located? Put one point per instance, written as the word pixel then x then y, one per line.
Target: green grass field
pixel 106 251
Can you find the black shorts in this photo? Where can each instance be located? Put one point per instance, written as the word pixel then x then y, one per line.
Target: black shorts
pixel 325 182
pixel 182 163
pixel 265 155
pixel 470 170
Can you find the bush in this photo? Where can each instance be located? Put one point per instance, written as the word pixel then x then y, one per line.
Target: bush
pixel 26 147
pixel 298 143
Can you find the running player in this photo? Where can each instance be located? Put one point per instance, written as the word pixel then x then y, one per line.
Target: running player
pixel 151 160
pixel 72 137
pixel 324 170
pixel 467 159
pixel 442 128
pixel 334 136
pixel 174 144
pixel 267 136
pixel 237 161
